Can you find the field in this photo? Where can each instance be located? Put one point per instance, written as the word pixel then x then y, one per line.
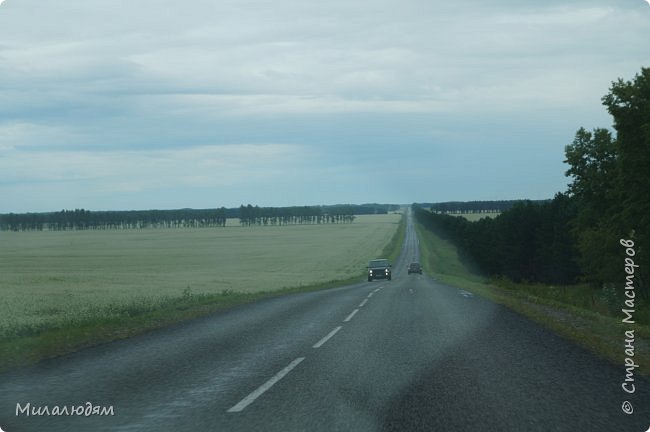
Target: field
pixel 54 279
pixel 473 217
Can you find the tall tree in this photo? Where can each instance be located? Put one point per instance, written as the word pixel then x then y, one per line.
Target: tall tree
pixel 611 181
pixel 593 161
pixel 629 104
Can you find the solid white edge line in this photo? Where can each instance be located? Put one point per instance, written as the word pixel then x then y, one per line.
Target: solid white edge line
pixel 264 387
pixel 351 315
pixel 321 342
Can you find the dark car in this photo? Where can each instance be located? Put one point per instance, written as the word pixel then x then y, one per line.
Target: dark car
pixel 379 269
pixel 415 268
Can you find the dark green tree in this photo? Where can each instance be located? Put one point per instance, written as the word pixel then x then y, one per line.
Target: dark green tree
pixel 593 161
pixel 629 104
pixel 611 183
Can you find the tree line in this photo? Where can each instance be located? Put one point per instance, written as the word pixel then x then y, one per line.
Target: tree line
pixel 468 207
pixel 532 241
pixel 263 216
pixel 360 209
pixel 578 235
pixel 81 219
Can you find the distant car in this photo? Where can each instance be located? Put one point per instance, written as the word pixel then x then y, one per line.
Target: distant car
pixel 379 269
pixel 415 268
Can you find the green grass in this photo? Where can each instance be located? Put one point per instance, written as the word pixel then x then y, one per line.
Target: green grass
pixel 65 290
pixel 569 311
pixel 440 258
pixel 394 247
pixel 129 320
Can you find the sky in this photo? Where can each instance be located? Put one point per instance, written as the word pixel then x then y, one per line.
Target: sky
pixel 117 105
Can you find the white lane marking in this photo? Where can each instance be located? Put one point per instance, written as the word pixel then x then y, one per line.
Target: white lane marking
pixel 264 387
pixel 321 342
pixel 351 315
pixel 370 295
pixel 377 289
pixel 362 304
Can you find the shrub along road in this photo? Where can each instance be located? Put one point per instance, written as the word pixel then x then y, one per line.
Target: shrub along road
pixel 407 354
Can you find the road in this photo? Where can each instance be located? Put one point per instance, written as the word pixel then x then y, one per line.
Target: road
pixel 410 354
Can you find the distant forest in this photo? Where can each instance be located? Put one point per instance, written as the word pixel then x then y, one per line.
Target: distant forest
pixel 590 233
pixel 530 241
pixel 468 207
pixel 80 219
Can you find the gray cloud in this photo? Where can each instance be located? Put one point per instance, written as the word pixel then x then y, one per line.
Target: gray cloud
pixel 92 90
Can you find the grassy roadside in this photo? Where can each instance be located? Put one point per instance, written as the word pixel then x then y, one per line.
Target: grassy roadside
pixel 131 320
pixel 394 247
pixel 597 332
pixel 53 342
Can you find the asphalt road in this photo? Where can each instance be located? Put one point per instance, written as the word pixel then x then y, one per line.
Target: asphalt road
pixel 409 354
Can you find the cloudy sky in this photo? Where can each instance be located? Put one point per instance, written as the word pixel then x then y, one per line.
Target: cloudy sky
pixel 206 103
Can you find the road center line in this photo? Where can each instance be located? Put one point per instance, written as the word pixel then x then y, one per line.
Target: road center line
pixel 321 342
pixel 363 302
pixel 264 387
pixel 370 295
pixel 351 315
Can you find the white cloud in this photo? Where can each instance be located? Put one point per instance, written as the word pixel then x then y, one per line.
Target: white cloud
pixel 22 135
pixel 565 15
pixel 132 95
pixel 141 171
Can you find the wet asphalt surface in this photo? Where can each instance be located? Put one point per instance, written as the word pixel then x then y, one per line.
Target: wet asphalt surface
pixel 410 354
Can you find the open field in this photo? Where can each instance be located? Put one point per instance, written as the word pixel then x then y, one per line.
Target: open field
pixel 473 217
pixel 564 309
pixel 53 279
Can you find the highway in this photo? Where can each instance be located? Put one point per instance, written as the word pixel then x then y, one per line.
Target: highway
pixel 411 354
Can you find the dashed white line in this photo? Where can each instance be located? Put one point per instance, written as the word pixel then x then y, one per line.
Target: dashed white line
pixel 241 405
pixel 321 342
pixel 264 387
pixel 351 315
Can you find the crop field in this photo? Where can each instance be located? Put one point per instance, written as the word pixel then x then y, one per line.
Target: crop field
pixel 48 278
pixel 473 217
